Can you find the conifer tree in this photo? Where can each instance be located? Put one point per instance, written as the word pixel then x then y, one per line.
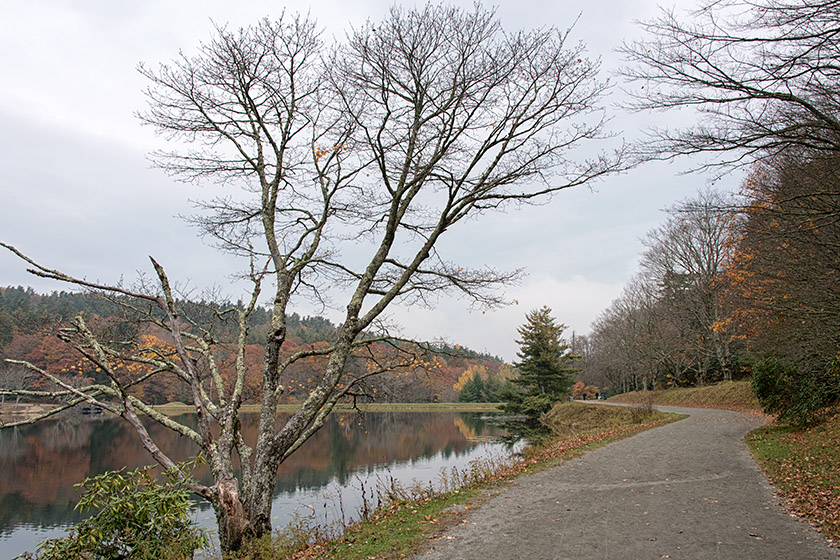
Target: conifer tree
pixel 545 371
pixel 474 390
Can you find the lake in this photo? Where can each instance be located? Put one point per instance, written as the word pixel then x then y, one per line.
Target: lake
pixel 40 464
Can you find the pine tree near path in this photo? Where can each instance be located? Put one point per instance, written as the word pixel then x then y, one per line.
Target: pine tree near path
pixel 545 371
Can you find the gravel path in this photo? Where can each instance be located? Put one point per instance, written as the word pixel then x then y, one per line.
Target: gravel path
pixel 687 490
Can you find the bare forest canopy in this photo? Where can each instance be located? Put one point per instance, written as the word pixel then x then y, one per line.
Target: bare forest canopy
pixel 748 284
pixel 31 322
pixel 728 287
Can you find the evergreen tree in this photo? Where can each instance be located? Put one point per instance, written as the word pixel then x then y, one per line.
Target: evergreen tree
pixel 545 371
pixel 474 390
pixel 493 389
pixel 7 332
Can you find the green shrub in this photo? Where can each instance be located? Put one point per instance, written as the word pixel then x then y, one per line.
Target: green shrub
pixel 797 396
pixel 136 518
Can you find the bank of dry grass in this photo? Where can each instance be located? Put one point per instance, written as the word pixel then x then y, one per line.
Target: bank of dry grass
pixel 576 418
pixel 727 395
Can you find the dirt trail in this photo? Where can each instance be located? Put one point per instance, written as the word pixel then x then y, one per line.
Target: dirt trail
pixel 688 490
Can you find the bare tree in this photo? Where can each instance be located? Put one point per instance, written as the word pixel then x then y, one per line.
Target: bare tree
pixel 686 257
pixel 635 343
pixel 14 378
pixel 763 75
pixel 671 324
pixel 617 345
pixel 390 138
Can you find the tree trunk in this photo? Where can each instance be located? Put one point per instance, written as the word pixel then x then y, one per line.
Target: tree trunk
pixel 235 527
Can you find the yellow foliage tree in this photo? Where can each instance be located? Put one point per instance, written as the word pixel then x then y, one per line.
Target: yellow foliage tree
pixel 468 375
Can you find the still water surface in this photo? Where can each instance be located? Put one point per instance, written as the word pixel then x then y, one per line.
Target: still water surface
pixel 40 464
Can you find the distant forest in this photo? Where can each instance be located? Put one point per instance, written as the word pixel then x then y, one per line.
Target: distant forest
pixel 31 323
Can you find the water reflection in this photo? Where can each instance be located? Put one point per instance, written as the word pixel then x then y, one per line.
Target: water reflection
pixel 41 463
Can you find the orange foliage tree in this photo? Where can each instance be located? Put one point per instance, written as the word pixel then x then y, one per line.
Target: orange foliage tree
pixel 785 279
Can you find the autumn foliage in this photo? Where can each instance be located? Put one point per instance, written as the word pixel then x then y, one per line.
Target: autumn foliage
pixel 414 374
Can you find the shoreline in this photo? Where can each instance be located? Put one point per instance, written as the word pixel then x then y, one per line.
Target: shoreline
pixel 16 412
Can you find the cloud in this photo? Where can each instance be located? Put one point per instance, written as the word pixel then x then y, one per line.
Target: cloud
pixel 575 302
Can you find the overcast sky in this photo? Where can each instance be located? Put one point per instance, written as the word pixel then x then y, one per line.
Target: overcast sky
pixel 78 193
